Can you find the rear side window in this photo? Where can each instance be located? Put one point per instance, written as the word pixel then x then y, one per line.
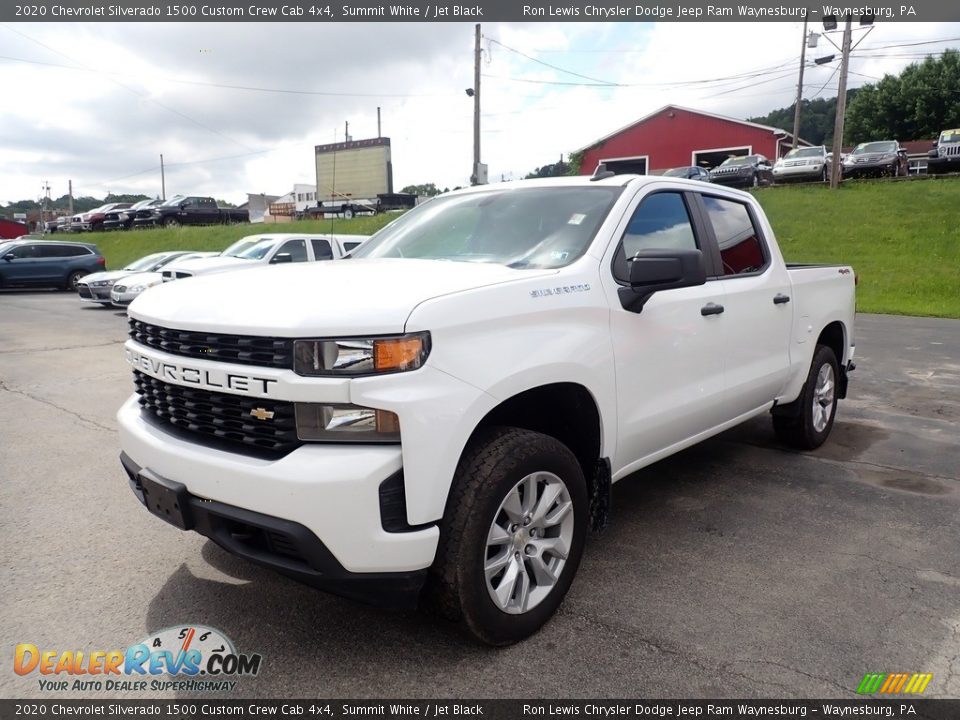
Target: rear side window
pixel 58 251
pixel 741 250
pixel 660 222
pixel 321 249
pixel 348 246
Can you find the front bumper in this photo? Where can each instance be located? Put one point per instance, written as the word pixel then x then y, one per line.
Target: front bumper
pixel 332 490
pixel 114 225
pixel 99 294
pixel 946 163
pixel 868 169
pixel 799 172
pixel 282 545
pixel 733 180
pixel 147 222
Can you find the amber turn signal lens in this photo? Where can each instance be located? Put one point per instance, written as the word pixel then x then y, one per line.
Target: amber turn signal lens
pixel 403 353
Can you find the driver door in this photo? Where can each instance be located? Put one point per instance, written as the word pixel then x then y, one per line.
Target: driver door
pixel 668 358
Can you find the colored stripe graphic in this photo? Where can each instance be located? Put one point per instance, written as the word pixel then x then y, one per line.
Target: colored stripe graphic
pixel 894 683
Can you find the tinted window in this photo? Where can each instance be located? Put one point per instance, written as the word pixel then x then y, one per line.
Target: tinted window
pixel 661 222
pixel 741 250
pixel 348 246
pixel 297 250
pixel 321 249
pixel 63 251
pixel 25 251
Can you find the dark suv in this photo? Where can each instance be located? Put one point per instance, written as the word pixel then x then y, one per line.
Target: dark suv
pixel 48 264
pixel 874 159
pixel 743 171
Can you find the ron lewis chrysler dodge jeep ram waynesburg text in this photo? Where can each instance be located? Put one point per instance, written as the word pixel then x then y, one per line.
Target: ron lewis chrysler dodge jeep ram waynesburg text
pixel 440 417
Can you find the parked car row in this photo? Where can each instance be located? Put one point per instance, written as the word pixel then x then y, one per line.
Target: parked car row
pixel 46 263
pixel 176 211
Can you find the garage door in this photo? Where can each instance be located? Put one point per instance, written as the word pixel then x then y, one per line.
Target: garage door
pixel 620 166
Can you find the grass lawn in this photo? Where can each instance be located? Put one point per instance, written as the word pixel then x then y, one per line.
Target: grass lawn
pixel 902 239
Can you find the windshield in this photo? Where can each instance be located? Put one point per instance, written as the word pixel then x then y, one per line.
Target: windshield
pixel 740 160
pixel 151 262
pixel 247 249
pixel 805 152
pixel 950 136
pixel 175 200
pixel 875 147
pixel 677 172
pixel 537 227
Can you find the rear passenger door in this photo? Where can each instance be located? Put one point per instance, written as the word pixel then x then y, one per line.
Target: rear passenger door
pixel 757 305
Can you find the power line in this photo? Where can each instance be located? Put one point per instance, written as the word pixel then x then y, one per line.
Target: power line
pixel 553 67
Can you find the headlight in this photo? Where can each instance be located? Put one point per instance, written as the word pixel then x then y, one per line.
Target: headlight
pixel 137 288
pixel 346 423
pixel 103 283
pixel 361 356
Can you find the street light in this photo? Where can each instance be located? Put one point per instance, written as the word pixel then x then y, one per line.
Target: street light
pixel 829 22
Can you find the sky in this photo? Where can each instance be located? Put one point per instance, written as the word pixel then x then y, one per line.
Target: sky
pixel 237 108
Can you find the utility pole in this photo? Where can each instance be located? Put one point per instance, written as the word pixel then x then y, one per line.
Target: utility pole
pixel 70 196
pixel 163 180
pixel 841 104
pixel 346 131
pixel 46 203
pixel 475 177
pixel 796 110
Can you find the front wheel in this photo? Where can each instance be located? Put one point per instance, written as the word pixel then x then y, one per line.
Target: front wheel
pixel 512 535
pixel 171 222
pixel 805 423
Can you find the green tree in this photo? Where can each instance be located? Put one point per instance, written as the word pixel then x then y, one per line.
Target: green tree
pixel 817 118
pixel 224 203
pixel 553 170
pixel 424 190
pixel 918 103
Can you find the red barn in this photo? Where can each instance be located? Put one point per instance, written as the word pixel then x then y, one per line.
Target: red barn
pixel 675 137
pixel 10 229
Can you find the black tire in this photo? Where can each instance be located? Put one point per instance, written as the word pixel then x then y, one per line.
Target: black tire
pixel 795 424
pixel 72 279
pixel 490 468
pixel 171 222
pixel 756 181
pixel 825 175
pixel 347 213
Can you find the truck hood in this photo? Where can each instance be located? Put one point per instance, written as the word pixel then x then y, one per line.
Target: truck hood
pixel 322 299
pixel 218 263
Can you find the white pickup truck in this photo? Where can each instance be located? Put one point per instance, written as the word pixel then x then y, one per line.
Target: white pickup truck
pixel 268 249
pixel 439 418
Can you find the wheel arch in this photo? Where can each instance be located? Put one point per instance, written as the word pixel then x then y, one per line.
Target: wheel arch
pixel 834 336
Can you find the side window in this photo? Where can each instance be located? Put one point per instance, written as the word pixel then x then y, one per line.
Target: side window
pixel 297 250
pixel 25 251
pixel 64 251
pixel 741 250
pixel 321 249
pixel 348 246
pixel 660 222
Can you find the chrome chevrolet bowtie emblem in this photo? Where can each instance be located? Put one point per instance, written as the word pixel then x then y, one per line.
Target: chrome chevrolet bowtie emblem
pixel 262 414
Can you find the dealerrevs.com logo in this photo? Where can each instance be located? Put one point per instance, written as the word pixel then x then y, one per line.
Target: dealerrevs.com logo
pixel 183 658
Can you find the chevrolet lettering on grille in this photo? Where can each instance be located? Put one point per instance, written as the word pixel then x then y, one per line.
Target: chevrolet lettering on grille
pixel 184 375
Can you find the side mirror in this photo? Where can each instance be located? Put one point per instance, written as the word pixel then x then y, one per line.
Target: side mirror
pixel 934 143
pixel 281 258
pixel 9 256
pixel 651 271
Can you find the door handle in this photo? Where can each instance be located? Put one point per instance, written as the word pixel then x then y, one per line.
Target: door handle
pixel 780 299
pixel 711 309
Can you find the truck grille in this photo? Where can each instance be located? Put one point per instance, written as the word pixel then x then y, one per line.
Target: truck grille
pixel 949 150
pixel 240 349
pixel 220 416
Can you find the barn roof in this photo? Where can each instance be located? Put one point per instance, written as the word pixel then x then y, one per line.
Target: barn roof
pixel 768 128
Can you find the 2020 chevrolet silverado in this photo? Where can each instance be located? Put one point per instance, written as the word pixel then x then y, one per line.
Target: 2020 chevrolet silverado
pixel 443 414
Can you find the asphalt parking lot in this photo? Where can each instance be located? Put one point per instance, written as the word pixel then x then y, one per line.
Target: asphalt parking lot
pixel 735 569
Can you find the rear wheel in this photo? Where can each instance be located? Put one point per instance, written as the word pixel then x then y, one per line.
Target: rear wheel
pixel 72 280
pixel 347 212
pixel 512 535
pixel 805 423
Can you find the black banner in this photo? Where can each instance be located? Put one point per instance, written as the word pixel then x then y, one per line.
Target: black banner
pixel 896 709
pixel 471 11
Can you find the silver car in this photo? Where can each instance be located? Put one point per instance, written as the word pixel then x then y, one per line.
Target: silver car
pixel 96 287
pixel 129 288
pixel 806 163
